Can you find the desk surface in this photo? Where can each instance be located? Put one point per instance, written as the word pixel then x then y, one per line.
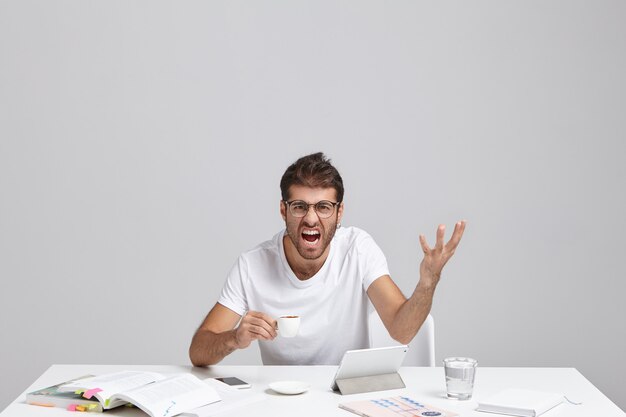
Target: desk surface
pixel 423 384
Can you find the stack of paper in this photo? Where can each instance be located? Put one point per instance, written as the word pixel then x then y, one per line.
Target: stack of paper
pixel 520 402
pixel 232 398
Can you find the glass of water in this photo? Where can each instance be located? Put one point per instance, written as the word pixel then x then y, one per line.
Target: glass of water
pixel 460 377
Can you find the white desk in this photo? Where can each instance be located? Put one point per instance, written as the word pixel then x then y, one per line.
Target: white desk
pixel 424 384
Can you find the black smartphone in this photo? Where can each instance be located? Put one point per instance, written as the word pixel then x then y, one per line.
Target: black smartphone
pixel 234 382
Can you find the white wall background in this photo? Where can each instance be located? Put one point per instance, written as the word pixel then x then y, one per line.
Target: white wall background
pixel 141 145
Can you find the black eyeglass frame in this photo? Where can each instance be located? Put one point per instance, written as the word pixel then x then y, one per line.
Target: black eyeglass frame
pixel 334 204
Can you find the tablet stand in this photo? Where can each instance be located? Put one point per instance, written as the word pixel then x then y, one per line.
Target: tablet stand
pixel 370 383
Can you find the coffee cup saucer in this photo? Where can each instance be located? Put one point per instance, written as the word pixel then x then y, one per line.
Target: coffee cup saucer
pixel 289 387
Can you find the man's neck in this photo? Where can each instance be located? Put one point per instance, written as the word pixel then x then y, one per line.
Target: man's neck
pixel 301 267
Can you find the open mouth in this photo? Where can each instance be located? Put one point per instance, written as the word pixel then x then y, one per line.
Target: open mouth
pixel 311 236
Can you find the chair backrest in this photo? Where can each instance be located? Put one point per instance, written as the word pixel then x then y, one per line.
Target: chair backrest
pixel 421 349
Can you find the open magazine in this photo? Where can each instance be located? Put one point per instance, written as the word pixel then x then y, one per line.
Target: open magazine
pixel 156 394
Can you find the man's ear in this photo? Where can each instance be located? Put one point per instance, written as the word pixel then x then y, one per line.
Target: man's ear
pixel 339 212
pixel 283 210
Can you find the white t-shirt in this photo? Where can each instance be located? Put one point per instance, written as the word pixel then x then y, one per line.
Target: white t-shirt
pixel 332 304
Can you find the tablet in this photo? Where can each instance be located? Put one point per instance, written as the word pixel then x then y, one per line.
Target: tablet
pixel 367 362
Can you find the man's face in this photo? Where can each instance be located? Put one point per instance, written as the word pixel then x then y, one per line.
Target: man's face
pixel 311 234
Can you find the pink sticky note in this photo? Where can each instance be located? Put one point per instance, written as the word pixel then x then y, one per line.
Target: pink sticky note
pixel 89 393
pixel 71 407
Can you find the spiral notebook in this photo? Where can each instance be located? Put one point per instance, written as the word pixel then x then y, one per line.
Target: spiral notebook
pixel 400 406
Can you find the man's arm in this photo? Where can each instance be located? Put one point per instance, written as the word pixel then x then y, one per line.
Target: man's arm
pixel 404 317
pixel 217 336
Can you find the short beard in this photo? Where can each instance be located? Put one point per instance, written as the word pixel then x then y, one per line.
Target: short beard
pixel 295 240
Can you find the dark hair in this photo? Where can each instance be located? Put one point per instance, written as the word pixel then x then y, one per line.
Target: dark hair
pixel 314 171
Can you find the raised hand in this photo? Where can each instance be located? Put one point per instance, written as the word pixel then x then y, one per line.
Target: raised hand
pixel 436 258
pixel 255 325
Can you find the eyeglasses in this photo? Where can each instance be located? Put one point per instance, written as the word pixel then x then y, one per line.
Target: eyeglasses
pixel 299 208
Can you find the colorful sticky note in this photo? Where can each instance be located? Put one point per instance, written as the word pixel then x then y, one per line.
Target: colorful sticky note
pixel 80 408
pixel 89 393
pixel 71 407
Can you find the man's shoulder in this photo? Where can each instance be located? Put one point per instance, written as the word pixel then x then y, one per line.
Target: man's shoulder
pixel 266 248
pixel 351 236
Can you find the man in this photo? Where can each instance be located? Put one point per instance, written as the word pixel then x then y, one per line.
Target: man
pixel 323 273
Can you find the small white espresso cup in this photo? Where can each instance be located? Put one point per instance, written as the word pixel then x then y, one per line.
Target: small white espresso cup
pixel 288 326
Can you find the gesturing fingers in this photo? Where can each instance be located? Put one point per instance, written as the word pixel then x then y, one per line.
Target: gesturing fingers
pixel 441 231
pixel 435 259
pixel 459 228
pixel 424 245
pixel 450 246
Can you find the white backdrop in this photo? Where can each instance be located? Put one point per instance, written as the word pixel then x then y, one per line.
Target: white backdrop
pixel 142 143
